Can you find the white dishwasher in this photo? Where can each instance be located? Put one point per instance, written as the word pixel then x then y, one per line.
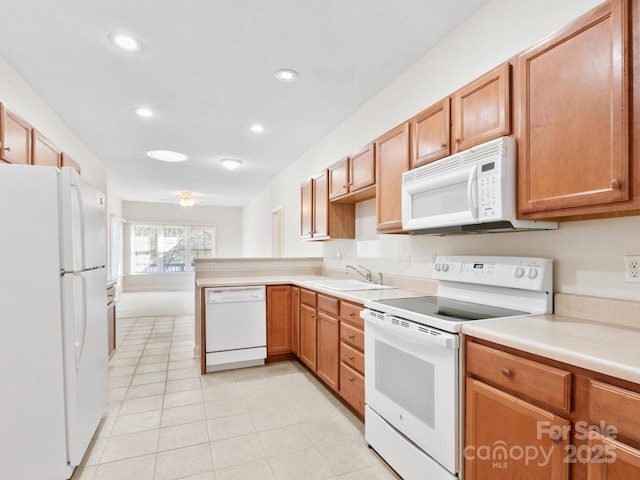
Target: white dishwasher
pixel 235 327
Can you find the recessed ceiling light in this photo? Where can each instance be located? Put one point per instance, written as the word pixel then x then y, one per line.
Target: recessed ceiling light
pixel 256 128
pixel 144 112
pixel 167 155
pixel 125 42
pixel 230 163
pixel 286 75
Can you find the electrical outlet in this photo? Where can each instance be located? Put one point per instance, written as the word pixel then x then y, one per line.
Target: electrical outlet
pixel 632 268
pixel 407 260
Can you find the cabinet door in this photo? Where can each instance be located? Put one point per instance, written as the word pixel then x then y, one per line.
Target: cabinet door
pixel 67 161
pixel 44 152
pixel 15 138
pixel 611 460
pixel 501 429
pixel 328 353
pixel 278 319
pixel 295 320
pixel 574 113
pixel 339 178
pixel 306 209
pixel 308 336
pixel 392 159
pixel 430 134
pixel 481 111
pixel 362 169
pixel 321 205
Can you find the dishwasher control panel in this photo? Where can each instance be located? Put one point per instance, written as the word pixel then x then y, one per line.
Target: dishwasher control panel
pixel 235 294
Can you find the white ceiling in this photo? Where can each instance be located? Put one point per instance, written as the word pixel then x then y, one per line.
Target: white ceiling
pixel 206 68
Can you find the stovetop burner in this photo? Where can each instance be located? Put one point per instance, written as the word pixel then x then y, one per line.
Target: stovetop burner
pixel 449 309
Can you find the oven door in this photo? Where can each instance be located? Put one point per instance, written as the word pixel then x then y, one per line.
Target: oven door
pixel 411 381
pixel 441 199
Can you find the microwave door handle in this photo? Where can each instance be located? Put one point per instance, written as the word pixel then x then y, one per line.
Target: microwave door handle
pixel 472 194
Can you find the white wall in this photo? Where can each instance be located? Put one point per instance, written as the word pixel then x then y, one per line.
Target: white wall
pixel 18 96
pixel 228 222
pixel 588 254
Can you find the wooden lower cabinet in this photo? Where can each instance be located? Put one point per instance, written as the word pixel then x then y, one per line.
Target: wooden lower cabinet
pixel 352 388
pixel 508 438
pixel 278 319
pixel 295 320
pixel 308 335
pixel 111 319
pixel 609 459
pixel 328 349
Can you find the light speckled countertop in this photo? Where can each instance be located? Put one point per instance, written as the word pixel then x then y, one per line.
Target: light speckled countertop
pixel 602 347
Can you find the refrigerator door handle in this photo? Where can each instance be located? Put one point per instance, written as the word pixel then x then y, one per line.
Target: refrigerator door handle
pixel 77 208
pixel 80 342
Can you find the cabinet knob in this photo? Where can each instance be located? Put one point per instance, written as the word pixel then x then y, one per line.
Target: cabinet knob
pixel 615 184
pixel 556 435
pixel 444 145
pixel 506 372
pixel 351 314
pixel 351 357
pixel 457 140
pixel 7 149
pixel 344 186
pixel 352 336
pixel 351 379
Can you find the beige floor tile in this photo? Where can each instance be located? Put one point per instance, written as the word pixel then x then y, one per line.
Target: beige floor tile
pixel 105 426
pixel 228 427
pixel 146 390
pixel 182 373
pixel 84 473
pixel 184 414
pixel 151 367
pixel 154 359
pixel 304 464
pixel 184 435
pixel 285 440
pixel 271 418
pixel 236 451
pixel 216 378
pixel 153 377
pixel 179 364
pixel 314 409
pixel 137 422
pixel 225 408
pixel 127 446
pixel 348 456
pixel 121 371
pixel 116 393
pixel 180 356
pixel 140 468
pixel 94 452
pixel 380 472
pixel 179 399
pixel 183 385
pixel 143 404
pixel 122 381
pixel 264 401
pixel 183 462
pixel 330 430
pixel 123 362
pixel 202 476
pixel 258 470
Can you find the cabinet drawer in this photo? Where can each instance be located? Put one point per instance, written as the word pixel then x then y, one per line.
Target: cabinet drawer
pixel 329 305
pixel 615 407
pixel 350 312
pixel 352 336
pixel 352 357
pixel 111 295
pixel 546 384
pixel 307 297
pixel 352 388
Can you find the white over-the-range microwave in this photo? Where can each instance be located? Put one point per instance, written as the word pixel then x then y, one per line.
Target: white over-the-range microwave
pixel 473 191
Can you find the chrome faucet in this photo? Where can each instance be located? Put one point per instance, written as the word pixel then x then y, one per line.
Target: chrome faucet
pixel 366 274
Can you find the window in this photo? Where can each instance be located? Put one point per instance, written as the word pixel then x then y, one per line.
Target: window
pixel 169 248
pixel 117 259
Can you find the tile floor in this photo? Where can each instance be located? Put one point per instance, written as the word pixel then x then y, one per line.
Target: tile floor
pixel 168 422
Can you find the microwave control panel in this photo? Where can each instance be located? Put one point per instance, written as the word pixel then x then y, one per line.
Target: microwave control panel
pixel 489 191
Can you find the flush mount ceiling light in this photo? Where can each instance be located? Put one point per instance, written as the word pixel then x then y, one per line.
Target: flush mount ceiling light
pixel 256 128
pixel 167 155
pixel 125 42
pixel 230 163
pixel 186 200
pixel 286 75
pixel 144 112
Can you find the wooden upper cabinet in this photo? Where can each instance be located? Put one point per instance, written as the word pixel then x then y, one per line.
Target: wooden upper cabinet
pixel 392 159
pixel 67 161
pixel 306 209
pixel 43 151
pixel 573 102
pixel 430 134
pixel 481 111
pixel 320 219
pixel 353 179
pixel 15 138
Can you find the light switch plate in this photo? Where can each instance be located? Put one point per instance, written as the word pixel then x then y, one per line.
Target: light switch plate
pixel 632 268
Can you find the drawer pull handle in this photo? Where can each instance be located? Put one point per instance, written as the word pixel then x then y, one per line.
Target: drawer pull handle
pixel 351 357
pixel 351 314
pixel 352 336
pixel 506 372
pixel 7 149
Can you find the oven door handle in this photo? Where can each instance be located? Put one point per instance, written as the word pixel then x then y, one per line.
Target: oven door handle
pixel 421 334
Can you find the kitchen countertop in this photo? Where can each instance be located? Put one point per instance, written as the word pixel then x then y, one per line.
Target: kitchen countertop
pixel 357 296
pixel 601 347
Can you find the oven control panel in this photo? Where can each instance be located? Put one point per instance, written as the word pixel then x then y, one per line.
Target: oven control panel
pixel 528 273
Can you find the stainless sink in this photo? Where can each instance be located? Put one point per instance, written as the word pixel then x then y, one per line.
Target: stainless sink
pixel 347 284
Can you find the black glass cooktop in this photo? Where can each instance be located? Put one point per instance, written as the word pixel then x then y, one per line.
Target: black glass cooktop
pixel 447 308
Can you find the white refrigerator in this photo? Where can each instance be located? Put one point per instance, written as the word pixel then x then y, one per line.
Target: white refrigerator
pixel 53 346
